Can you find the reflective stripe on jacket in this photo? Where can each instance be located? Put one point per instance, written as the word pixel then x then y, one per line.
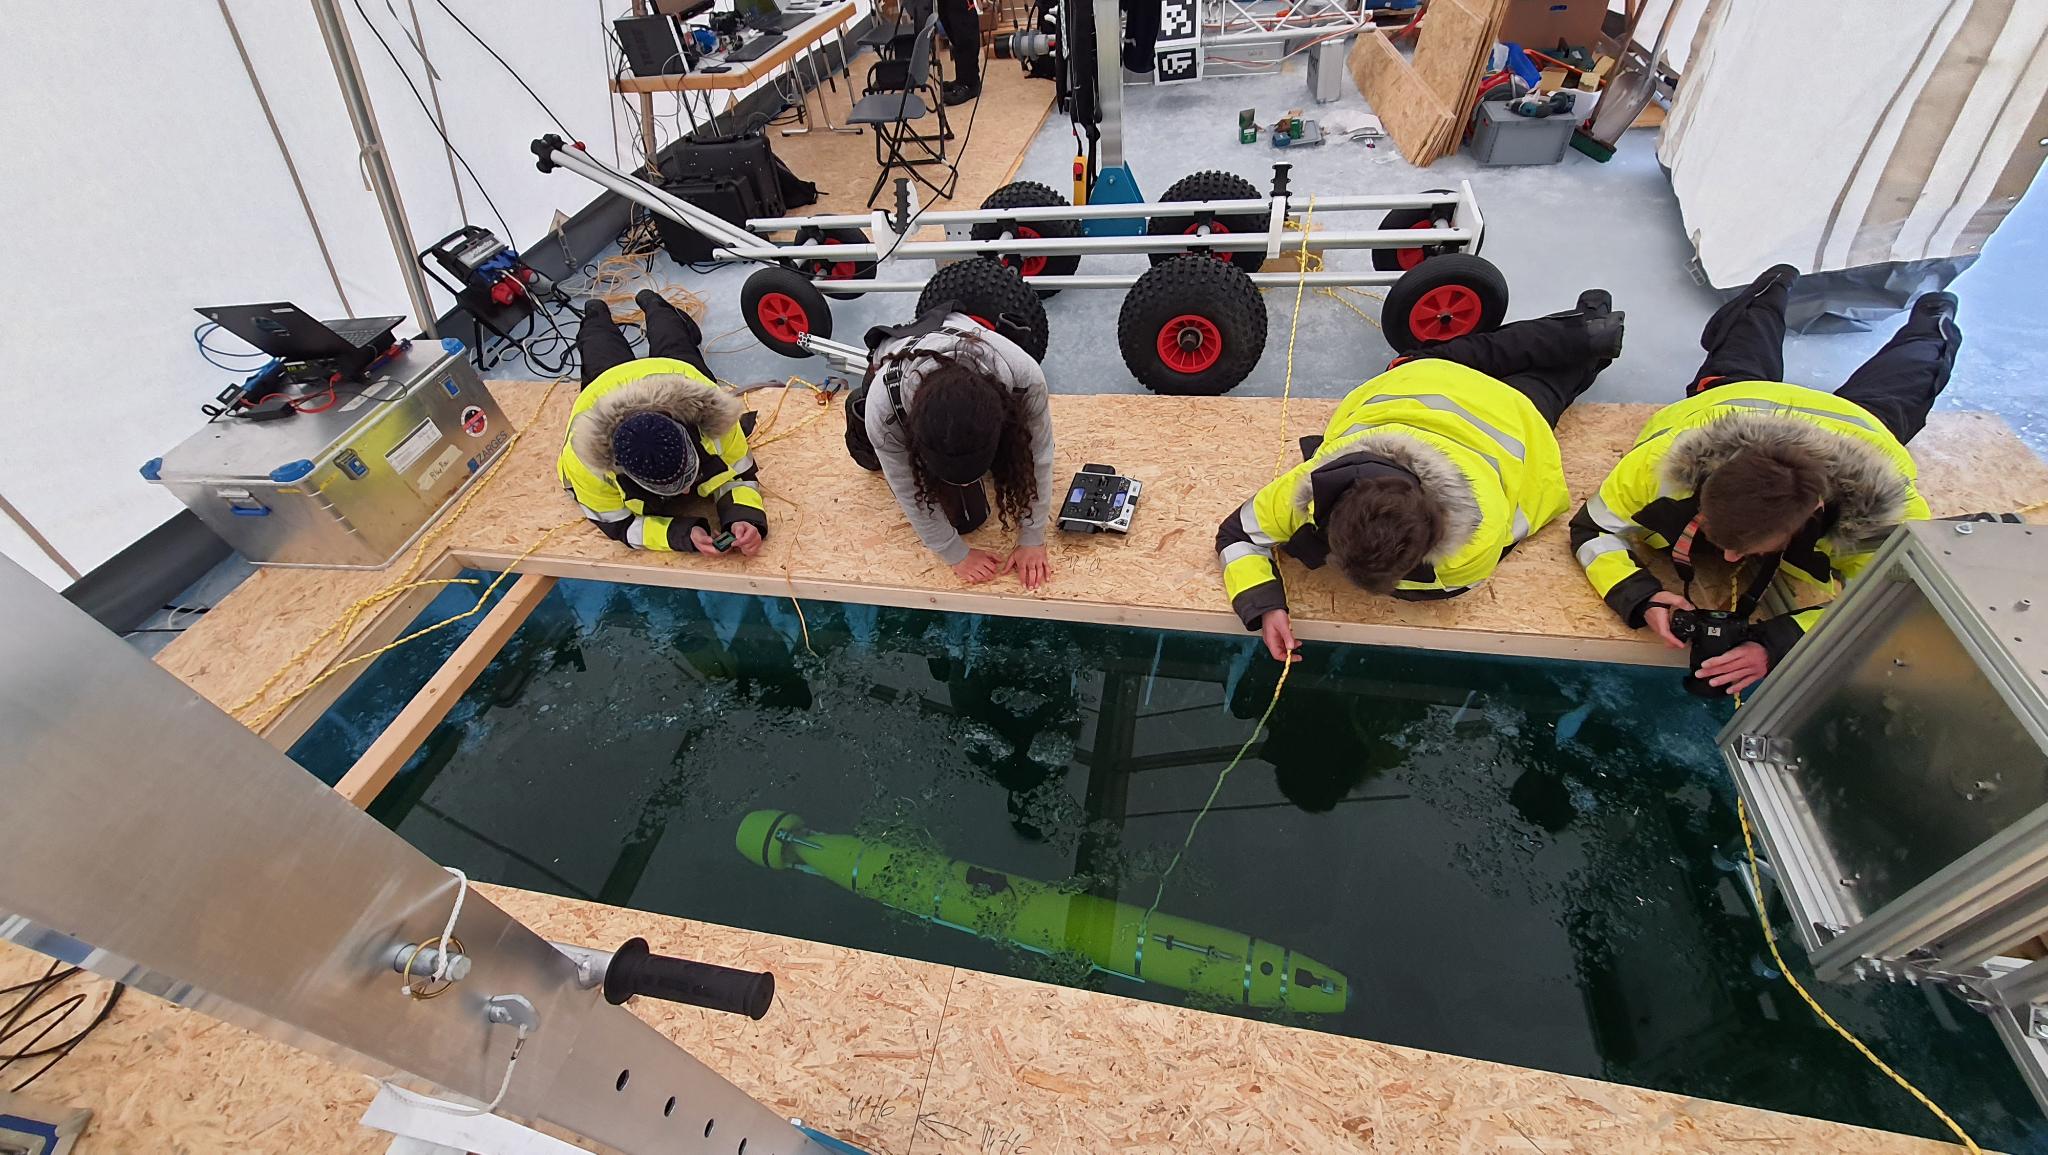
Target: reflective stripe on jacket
pixel 628 513
pixel 1652 494
pixel 1479 448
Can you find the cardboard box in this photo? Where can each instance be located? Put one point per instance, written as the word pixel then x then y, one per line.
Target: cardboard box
pixel 1540 24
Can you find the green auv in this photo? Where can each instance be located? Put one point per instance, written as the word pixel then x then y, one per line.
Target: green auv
pixel 1116 937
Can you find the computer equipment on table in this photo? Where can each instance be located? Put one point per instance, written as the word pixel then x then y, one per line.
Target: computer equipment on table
pixel 766 16
pixel 653 44
pixel 683 9
pixel 756 48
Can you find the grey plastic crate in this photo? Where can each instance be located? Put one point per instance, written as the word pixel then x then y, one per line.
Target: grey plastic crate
pixel 1501 137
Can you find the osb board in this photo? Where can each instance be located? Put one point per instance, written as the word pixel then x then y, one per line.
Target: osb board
pixel 836 527
pixel 160 1078
pixel 1411 113
pixel 1012 106
pixel 1062 1072
pixel 911 1058
pixel 837 534
pixel 1424 103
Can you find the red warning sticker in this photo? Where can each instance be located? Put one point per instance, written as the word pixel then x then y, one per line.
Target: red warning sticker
pixel 474 422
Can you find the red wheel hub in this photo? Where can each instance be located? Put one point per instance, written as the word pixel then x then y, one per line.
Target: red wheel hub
pixel 984 322
pixel 1216 228
pixel 1445 312
pixel 1029 266
pixel 838 270
pixel 1410 258
pixel 783 315
pixel 1190 343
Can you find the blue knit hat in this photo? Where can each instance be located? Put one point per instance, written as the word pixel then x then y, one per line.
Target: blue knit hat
pixel 655 451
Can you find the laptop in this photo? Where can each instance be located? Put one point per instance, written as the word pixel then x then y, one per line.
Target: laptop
pixel 756 48
pixel 653 45
pixel 288 333
pixel 765 16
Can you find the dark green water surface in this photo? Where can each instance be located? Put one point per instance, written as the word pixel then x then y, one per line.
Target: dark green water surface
pixel 1529 862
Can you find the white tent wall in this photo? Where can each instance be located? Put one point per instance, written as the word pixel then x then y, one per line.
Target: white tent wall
pixel 1927 131
pixel 140 182
pixel 144 178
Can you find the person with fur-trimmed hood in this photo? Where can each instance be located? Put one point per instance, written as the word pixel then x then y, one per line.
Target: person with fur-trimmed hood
pixel 1748 466
pixel 1429 473
pixel 653 441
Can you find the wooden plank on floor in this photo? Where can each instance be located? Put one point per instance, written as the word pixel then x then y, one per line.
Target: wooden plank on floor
pixel 381 762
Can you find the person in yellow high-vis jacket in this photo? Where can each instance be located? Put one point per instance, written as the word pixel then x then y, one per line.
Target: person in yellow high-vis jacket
pixel 1748 466
pixel 1429 473
pixel 653 439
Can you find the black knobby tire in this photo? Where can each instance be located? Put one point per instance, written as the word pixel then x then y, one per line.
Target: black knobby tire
pixel 1444 297
pixel 992 295
pixel 1212 185
pixel 1193 326
pixel 779 304
pixel 1401 260
pixel 1029 194
pixel 818 268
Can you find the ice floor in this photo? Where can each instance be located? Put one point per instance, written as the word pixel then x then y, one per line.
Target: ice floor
pixel 1553 231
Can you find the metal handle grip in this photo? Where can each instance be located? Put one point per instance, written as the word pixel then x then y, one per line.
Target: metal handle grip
pixel 635 970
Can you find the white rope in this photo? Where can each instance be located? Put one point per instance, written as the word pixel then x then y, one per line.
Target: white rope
pixel 443 949
pixel 448 933
pixel 453 1108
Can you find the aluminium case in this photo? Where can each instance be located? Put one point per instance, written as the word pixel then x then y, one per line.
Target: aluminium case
pixel 351 486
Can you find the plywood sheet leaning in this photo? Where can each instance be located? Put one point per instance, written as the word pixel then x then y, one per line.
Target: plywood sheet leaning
pixel 913 1058
pixel 1423 104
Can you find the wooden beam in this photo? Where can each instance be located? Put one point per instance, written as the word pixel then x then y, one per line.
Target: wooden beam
pixel 380 763
pixel 1638 649
pixel 384 628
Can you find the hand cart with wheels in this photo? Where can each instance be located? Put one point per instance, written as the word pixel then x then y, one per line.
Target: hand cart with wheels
pixel 1193 323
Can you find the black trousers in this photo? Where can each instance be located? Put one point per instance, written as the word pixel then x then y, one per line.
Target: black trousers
pixel 963 33
pixel 1549 360
pixel 601 346
pixel 1745 341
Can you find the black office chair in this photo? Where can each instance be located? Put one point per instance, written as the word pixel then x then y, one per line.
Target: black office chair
pixel 899 93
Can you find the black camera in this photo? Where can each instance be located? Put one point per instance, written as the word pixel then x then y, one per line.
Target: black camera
pixel 1711 634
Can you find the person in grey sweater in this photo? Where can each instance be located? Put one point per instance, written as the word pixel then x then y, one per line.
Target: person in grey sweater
pixel 950 411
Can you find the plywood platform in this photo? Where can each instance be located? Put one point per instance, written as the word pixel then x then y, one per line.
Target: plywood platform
pixel 913 1058
pixel 837 535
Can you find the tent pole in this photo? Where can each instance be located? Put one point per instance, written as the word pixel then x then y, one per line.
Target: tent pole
pixel 348 73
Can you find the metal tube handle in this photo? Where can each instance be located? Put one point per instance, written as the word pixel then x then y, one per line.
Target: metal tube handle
pixel 635 970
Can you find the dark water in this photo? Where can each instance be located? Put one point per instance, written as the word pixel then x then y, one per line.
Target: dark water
pixel 1529 862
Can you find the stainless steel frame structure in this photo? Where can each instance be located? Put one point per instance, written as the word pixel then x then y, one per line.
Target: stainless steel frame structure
pixel 1896 767
pixel 889 238
pixel 152 839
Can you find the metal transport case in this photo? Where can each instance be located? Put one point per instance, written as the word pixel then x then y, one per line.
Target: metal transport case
pixel 351 486
pixel 1896 771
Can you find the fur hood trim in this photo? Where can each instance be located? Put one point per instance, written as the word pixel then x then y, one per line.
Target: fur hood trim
pixel 708 410
pixel 1441 479
pixel 1867 488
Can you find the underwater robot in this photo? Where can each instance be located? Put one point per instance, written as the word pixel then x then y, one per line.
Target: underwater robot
pixel 1116 937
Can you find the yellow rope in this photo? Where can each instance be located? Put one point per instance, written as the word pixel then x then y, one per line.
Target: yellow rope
pixel 789 561
pixel 345 623
pixel 1293 330
pixel 1271 704
pixel 1286 667
pixel 265 718
pixel 1763 919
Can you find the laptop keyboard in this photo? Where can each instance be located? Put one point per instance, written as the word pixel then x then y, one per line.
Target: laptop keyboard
pixel 754 49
